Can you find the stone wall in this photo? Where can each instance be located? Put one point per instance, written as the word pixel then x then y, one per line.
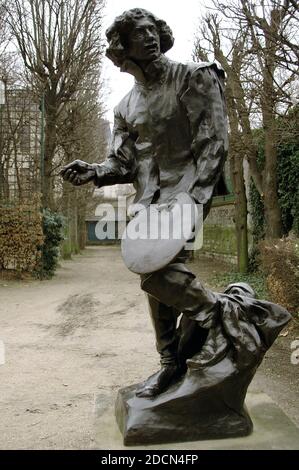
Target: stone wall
pixel 219 237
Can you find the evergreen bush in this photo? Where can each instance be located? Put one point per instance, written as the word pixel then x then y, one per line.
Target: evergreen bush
pixel 53 224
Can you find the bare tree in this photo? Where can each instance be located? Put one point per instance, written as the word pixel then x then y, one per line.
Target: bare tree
pixel 4 34
pixel 60 42
pixel 13 114
pixel 240 144
pixel 272 23
pixel 19 152
pixel 82 135
pixel 257 48
pixel 273 71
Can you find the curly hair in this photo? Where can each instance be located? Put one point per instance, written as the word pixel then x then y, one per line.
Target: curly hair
pixel 117 33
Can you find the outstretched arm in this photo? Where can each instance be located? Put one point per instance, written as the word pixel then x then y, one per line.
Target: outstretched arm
pixel 119 167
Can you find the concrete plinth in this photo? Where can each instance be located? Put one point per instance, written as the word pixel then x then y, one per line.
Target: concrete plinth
pixel 272 429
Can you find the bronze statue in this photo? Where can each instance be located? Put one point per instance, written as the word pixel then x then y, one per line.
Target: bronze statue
pixel 170 137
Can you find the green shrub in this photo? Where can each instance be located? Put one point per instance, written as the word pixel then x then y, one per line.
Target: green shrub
pixel 53 224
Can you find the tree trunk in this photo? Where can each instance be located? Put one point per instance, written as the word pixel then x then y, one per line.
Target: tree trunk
pixel 81 229
pixel 271 203
pixel 237 153
pixel 239 100
pixel 67 248
pixel 240 211
pixel 2 184
pixel 48 157
pixel 268 102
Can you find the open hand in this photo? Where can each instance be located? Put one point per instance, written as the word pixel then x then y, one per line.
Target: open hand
pixel 78 172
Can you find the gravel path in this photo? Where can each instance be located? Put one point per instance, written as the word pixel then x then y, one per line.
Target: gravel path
pixel 82 335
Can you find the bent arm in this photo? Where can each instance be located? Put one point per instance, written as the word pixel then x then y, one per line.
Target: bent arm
pixel 120 165
pixel 205 105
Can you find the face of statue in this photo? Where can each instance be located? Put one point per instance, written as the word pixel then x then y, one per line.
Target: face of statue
pixel 144 41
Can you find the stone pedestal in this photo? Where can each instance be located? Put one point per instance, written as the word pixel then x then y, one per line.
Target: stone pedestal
pixel 201 406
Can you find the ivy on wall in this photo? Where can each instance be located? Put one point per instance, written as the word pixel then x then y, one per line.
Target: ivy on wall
pixel 287 177
pixel 288 187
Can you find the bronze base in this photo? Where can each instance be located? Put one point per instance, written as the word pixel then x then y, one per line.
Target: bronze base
pixel 189 410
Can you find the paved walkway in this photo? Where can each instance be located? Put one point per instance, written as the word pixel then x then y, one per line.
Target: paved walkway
pixel 81 336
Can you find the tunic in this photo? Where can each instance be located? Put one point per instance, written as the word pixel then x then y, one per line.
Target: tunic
pixel 170 133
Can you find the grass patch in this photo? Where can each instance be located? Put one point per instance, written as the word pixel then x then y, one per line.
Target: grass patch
pixel 256 280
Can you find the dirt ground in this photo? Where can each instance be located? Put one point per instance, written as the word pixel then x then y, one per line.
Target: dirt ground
pixel 82 335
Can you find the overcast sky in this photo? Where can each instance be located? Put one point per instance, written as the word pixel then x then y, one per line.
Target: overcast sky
pixel 182 16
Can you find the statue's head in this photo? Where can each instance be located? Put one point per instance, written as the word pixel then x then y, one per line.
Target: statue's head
pixel 138 35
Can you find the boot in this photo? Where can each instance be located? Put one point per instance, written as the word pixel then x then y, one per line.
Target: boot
pixel 164 320
pixel 159 381
pixel 178 288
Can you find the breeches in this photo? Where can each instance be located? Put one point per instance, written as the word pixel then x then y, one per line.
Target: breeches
pixel 171 291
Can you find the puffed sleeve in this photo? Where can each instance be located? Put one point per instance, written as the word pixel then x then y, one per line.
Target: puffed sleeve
pixel 204 101
pixel 120 165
